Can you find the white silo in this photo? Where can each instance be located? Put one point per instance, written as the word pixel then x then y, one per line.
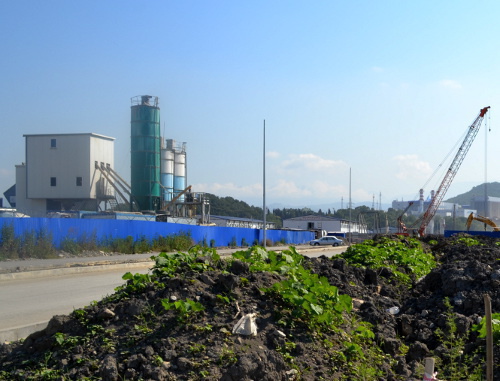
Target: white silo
pixel 173 170
pixel 180 170
pixel 167 171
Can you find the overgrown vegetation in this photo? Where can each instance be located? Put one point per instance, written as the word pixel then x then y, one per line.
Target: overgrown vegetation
pixel 31 245
pixel 39 244
pixel 404 256
pixel 454 363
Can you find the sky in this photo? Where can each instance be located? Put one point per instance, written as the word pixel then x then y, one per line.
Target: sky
pixel 362 100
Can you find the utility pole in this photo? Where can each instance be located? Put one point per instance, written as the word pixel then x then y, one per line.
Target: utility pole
pixel 350 205
pixel 264 185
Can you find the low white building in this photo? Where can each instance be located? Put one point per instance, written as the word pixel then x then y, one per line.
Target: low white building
pixel 63 172
pixel 239 222
pixel 319 223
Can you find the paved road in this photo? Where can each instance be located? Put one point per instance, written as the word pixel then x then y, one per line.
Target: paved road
pixel 29 298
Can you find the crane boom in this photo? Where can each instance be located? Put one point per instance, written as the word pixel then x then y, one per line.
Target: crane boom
pixel 452 171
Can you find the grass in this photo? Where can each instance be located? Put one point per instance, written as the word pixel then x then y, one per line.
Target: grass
pixel 39 244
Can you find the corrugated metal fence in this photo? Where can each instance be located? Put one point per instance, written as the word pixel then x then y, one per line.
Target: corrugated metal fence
pixel 104 230
pixel 491 234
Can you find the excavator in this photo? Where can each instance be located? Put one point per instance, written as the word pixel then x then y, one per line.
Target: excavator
pixel 402 229
pixel 485 220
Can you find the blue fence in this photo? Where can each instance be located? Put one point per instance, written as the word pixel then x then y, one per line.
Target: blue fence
pixel 103 230
pixel 491 234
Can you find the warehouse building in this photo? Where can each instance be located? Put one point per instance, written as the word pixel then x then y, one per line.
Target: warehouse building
pixel 322 223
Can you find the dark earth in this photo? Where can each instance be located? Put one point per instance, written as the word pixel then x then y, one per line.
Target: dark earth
pixel 131 336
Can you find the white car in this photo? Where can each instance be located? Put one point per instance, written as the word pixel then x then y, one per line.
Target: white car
pixel 328 240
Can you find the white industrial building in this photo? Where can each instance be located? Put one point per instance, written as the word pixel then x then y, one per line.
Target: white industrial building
pixel 64 172
pixel 320 223
pixel 239 222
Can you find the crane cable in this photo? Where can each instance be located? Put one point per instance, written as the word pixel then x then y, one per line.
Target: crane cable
pixel 486 130
pixel 452 150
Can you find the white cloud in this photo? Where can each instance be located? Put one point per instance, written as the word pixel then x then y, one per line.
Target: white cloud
pixel 410 166
pixel 272 154
pixel 231 190
pixel 450 84
pixel 303 164
pixel 288 190
pixel 299 176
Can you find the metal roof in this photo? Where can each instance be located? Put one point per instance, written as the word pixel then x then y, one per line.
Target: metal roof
pixel 236 219
pixel 75 134
pixel 313 218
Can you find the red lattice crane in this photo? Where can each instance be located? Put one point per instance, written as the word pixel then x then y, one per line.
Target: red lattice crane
pixel 452 171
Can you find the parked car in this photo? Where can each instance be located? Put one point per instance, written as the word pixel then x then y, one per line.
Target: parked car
pixel 8 212
pixel 334 241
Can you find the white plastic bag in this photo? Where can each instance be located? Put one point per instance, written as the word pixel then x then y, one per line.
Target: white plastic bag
pixel 246 325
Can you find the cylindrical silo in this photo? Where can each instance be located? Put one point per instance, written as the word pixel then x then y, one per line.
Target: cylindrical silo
pixel 167 173
pixel 145 152
pixel 180 172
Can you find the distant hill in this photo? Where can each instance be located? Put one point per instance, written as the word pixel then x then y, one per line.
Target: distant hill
pixel 493 190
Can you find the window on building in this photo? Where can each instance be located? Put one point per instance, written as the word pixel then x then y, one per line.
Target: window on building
pixel 79 181
pixel 53 182
pixel 53 143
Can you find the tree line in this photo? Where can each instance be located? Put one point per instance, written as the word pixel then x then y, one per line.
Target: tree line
pixel 228 206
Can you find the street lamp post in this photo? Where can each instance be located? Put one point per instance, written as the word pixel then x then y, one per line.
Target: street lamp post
pixel 264 184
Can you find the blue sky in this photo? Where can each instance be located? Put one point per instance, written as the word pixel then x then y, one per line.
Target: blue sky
pixel 384 89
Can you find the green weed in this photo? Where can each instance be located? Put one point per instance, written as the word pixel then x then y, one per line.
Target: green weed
pixel 469 241
pixel 186 309
pixel 454 366
pixel 481 327
pixel 405 254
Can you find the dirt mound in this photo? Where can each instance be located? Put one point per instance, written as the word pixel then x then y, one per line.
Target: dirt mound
pixel 177 323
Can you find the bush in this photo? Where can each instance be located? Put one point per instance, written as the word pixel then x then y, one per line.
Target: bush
pixel 69 245
pixel 204 242
pixel 175 242
pixel 89 242
pixel 232 243
pixel 123 245
pixel 9 244
pixel 27 247
pixel 44 247
pixel 142 246
pixel 31 245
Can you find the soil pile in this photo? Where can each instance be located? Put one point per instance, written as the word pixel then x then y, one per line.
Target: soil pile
pixel 178 325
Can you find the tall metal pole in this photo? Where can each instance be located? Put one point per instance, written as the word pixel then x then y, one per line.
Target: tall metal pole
pixel 350 207
pixel 264 184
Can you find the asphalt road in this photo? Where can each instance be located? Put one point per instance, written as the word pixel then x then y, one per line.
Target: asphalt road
pixel 25 300
pixel 28 299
